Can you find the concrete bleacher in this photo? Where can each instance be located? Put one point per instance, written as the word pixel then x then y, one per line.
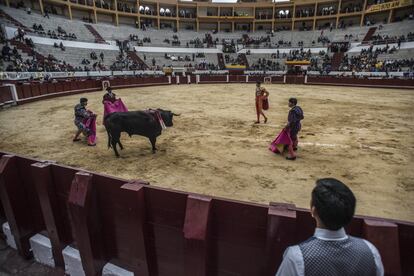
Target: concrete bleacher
pixel 74 56
pixel 161 60
pixel 399 54
pixel 70 26
pixel 396 29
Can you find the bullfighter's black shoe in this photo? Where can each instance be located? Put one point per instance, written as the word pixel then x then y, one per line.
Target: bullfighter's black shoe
pixel 291 158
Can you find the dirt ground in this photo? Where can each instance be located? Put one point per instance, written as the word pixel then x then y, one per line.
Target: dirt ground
pixel 361 136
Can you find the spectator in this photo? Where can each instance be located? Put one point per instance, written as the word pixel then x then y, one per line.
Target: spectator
pixel 330 251
pixel 102 56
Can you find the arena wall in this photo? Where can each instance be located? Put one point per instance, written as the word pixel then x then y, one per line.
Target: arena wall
pixel 35 90
pixel 155 231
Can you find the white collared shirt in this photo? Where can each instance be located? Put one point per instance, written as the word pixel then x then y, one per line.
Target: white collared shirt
pixel 293 264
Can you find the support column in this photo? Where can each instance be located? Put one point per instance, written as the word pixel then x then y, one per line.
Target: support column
pixel 69 10
pixel 7 3
pixel 390 16
pixel 363 13
pixel 116 13
pixel 158 15
pixel 95 15
pixel 41 7
pixel 337 14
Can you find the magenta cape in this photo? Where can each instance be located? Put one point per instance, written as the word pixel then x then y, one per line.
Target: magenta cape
pixel 281 140
pixel 91 124
pixel 116 106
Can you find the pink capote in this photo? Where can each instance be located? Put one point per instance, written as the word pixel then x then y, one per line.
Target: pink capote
pixel 281 140
pixel 91 124
pixel 116 106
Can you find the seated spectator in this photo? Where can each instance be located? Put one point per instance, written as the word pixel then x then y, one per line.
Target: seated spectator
pixel 5 52
pixel 331 251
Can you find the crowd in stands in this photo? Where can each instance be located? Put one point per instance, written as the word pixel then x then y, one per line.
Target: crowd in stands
pixel 299 55
pixel 263 64
pixel 327 10
pixel 102 4
pixel 366 61
pixel 246 40
pixel 384 39
pixel 59 34
pixel 126 8
pixel 304 12
pixel 351 7
pixel 187 13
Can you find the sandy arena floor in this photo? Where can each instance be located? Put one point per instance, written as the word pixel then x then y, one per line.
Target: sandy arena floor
pixel 361 136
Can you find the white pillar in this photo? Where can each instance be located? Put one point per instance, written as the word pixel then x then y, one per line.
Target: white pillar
pixel 228 78
pixel 177 79
pixel 188 79
pixel 247 78
pixel 284 78
pixel 197 79
pixel 169 79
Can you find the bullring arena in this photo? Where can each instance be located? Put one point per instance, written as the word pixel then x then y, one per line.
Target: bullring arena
pixel 359 135
pixel 212 200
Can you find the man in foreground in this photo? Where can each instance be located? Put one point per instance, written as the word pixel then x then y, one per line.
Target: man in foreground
pixel 330 251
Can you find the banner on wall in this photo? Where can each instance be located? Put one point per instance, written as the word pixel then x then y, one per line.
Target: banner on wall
pixel 389 5
pixel 34 75
pixel 211 72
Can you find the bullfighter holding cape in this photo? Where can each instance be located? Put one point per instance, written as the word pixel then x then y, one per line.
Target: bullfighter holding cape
pixel 288 137
pixel 112 104
pixel 85 121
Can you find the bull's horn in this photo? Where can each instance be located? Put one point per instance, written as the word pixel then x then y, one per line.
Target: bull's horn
pixel 176 114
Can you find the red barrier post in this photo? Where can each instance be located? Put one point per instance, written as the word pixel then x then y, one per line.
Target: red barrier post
pixel 384 235
pixel 15 204
pixel 42 177
pixel 281 226
pixel 85 221
pixel 196 234
pixel 134 192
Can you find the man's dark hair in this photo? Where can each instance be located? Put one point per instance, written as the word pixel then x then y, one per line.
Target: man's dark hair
pixel 258 82
pixel 108 89
pixel 293 101
pixel 82 100
pixel 334 202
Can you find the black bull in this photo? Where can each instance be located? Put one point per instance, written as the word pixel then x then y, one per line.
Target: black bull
pixel 136 123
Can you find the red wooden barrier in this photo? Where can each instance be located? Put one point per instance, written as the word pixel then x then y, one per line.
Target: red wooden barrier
pixel 45 188
pixel 20 206
pixel 154 231
pixel 35 89
pixel 212 78
pixel 26 90
pixel 5 94
pixel 86 223
pixel 385 237
pixel 196 234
